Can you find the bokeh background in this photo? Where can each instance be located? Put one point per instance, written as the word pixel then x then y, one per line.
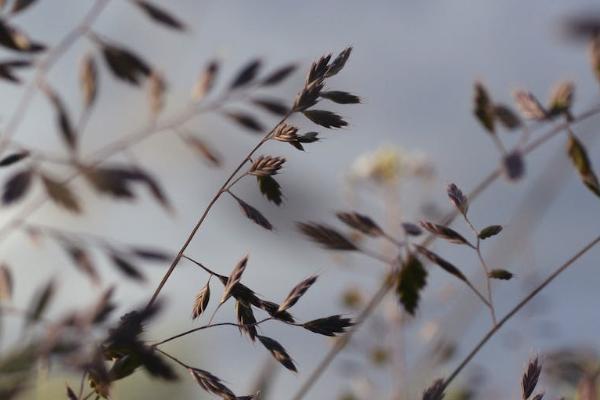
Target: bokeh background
pixel 413 65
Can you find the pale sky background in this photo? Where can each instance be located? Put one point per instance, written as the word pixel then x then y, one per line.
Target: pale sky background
pixel 413 64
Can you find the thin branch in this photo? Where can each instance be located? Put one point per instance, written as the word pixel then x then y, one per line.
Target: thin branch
pixel 216 197
pixel 82 384
pixel 481 297
pixel 376 256
pixel 394 241
pixel 518 307
pixel 212 326
pixel 486 270
pixel 211 272
pixel 341 341
pixel 175 359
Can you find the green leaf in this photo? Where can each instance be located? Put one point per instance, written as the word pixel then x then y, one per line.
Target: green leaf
pixel 270 188
pixel 490 231
pixel 582 163
pixel 411 280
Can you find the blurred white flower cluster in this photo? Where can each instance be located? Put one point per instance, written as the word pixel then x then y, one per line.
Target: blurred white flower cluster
pixel 390 164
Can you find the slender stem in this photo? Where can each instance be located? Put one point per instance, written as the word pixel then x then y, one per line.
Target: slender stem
pixel 393 240
pixel 87 396
pixel 44 66
pixel 376 256
pixel 488 281
pixel 481 297
pixel 485 268
pixel 385 286
pixel 212 202
pixel 518 307
pixel 341 341
pixel 82 384
pixel 209 325
pixel 211 272
pixel 175 359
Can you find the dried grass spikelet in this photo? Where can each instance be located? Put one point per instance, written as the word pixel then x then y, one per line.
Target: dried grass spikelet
pixel 83 261
pixel 252 213
pixel 289 134
pixel 327 237
pixel 274 106
pixel 65 125
pixel 17 186
pixel 329 326
pixel 530 378
pixel 411 229
pixel 361 223
pixel 561 98
pixel 266 166
pixel 457 198
pixel 246 74
pixel 340 97
pixel 444 232
pixel 245 120
pixel 201 301
pixel 156 92
pixel 205 81
pixel 529 105
pixel 318 69
pixel 279 75
pixel 160 15
pixel 507 117
pixel 278 352
pixel 14 158
pixel 71 395
pixel 594 54
pixel 483 108
pixel 234 278
pixel 325 118
pixel 339 62
pixel 6 283
pixel 309 95
pixel 15 39
pixel 61 194
pixel 285 133
pixel 212 384
pixel 124 63
pixel 204 149
pixel 7 69
pixel 246 319
pixel 441 262
pixel 273 310
pixel 296 293
pixel 88 77
pixel 580 160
